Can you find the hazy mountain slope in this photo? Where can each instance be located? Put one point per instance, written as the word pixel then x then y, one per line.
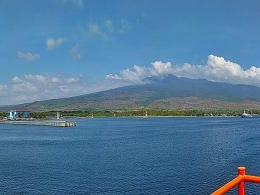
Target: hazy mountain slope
pixel 169 92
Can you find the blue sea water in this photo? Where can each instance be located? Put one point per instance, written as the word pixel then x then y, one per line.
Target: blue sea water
pixel 189 155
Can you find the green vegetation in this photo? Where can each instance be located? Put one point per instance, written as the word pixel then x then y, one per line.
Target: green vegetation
pixel 3 115
pixel 134 113
pixel 152 112
pixel 168 96
pixel 39 115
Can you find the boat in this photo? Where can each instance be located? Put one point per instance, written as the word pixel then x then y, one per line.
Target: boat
pixel 145 116
pixel 246 115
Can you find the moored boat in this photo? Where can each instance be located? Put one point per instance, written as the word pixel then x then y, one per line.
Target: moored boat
pixel 246 115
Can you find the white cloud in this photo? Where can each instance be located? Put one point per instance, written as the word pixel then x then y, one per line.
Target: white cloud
pixel 52 43
pixel 136 76
pixel 45 82
pixel 3 87
pixel 71 80
pixel 20 85
pixel 17 80
pixel 31 87
pixel 74 52
pixel 35 78
pixel 3 90
pixel 113 76
pixel 107 29
pixel 28 56
pixel 55 80
pixel 217 69
pixel 94 30
pixel 24 87
pixel 160 68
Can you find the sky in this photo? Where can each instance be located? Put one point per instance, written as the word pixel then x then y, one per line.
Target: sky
pixel 62 48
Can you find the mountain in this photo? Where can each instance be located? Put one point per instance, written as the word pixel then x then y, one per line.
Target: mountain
pixel 169 92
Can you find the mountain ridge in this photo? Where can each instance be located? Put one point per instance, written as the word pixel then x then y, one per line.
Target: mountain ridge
pixel 168 92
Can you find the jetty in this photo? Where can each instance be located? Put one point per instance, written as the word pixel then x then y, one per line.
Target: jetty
pixel 53 123
pixel 18 116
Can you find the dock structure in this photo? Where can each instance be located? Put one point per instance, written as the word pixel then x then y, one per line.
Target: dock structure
pixel 15 113
pixel 56 123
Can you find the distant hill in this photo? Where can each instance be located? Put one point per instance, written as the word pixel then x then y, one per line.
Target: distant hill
pixel 169 92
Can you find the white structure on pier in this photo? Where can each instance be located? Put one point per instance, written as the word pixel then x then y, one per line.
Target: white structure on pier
pixel 18 113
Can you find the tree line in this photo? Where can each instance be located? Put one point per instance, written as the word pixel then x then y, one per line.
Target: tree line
pixel 132 113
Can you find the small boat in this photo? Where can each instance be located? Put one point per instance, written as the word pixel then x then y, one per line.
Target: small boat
pixel 145 116
pixel 246 115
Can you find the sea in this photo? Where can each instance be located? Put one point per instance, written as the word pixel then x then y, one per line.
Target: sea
pixel 112 156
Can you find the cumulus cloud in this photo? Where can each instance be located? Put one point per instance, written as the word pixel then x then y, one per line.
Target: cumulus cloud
pixel 31 87
pixel 216 69
pixel 28 56
pixel 71 80
pixel 3 87
pixel 24 87
pixel 21 86
pixel 35 78
pixel 17 80
pixel 113 76
pixel 52 43
pixel 45 82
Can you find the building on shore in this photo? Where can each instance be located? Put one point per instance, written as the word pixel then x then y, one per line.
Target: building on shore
pixel 17 113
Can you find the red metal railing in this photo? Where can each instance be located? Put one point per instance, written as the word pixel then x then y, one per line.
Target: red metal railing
pixel 239 181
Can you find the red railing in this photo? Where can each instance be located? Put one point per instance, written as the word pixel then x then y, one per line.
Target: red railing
pixel 239 181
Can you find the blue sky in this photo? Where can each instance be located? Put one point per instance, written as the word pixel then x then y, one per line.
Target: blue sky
pixel 62 48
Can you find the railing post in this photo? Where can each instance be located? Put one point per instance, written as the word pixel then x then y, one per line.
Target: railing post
pixel 241 188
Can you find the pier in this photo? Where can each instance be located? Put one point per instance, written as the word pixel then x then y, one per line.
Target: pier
pixel 56 123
